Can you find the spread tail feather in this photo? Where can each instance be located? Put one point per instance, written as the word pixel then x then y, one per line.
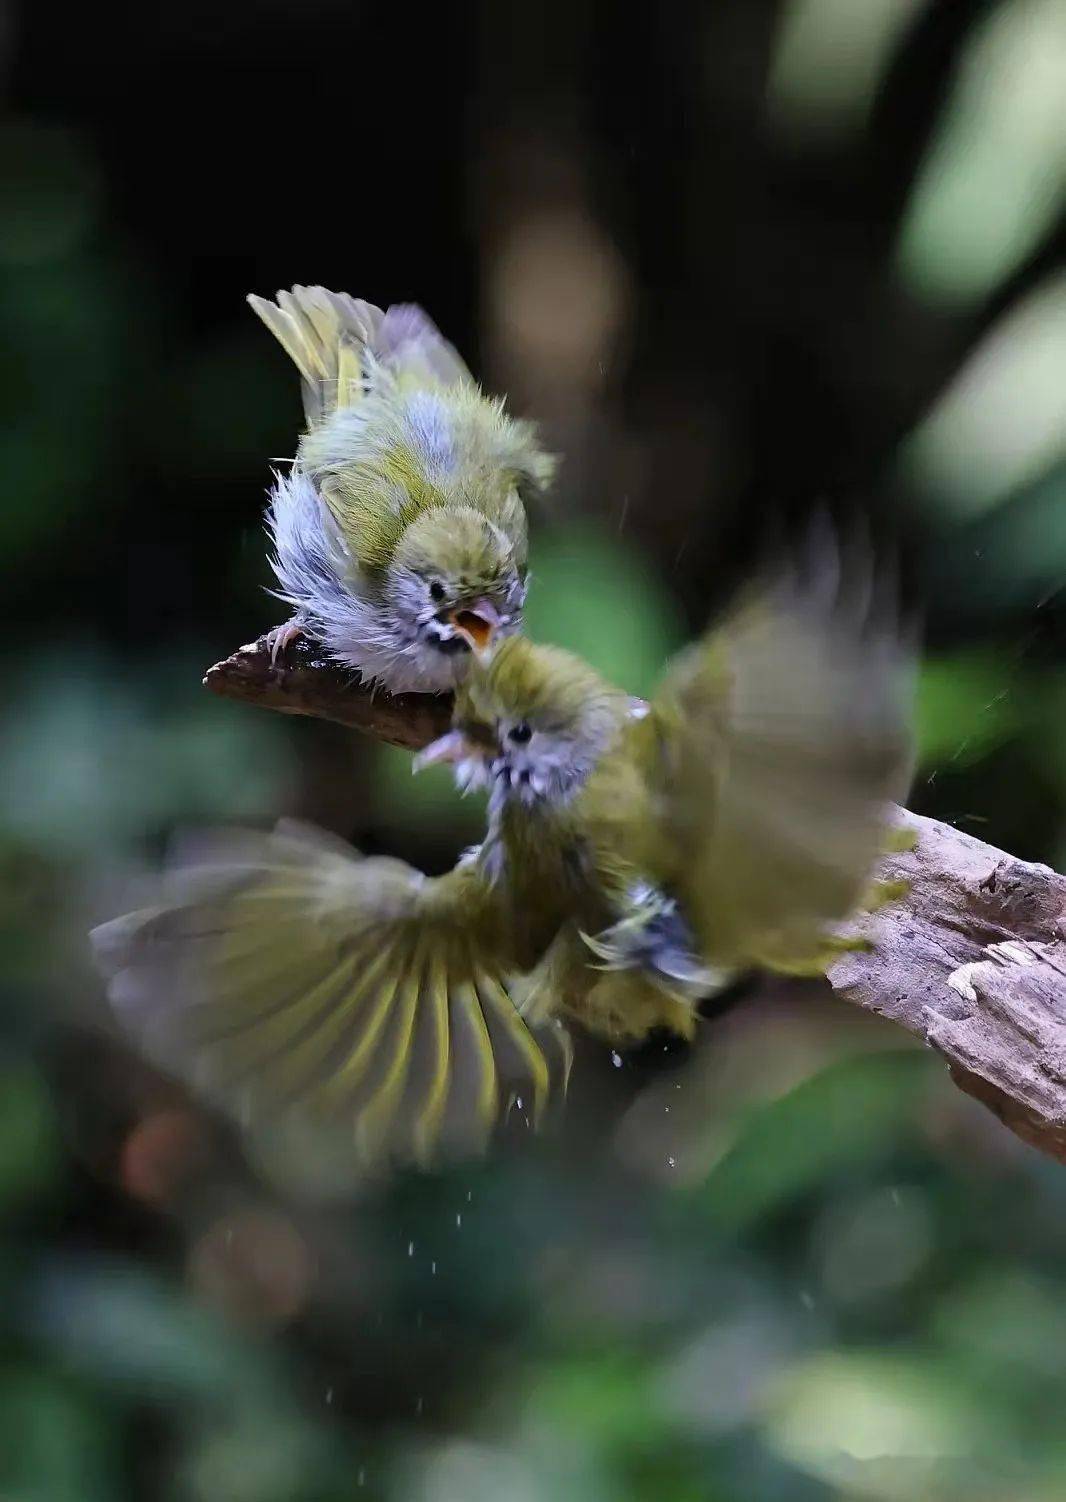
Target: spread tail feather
pixel 287 978
pixel 340 345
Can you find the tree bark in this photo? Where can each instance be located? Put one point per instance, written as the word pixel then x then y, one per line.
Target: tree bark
pixel 972 960
pixel 303 681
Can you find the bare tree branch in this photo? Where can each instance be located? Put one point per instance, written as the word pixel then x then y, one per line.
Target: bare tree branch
pixel 972 961
pixel 303 681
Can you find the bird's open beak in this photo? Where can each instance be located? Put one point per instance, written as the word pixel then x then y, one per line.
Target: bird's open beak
pixel 477 623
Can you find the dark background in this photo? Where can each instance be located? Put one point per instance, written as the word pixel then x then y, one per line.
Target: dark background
pixel 738 259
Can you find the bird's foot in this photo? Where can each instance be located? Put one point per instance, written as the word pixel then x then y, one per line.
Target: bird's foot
pixel 282 637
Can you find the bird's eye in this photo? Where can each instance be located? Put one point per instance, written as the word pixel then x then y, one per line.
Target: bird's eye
pixel 436 590
pixel 520 733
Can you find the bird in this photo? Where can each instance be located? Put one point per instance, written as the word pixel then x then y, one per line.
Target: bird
pixel 399 531
pixel 636 858
pixel 733 823
pixel 297 984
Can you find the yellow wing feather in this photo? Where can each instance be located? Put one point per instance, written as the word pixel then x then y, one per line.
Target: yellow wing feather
pixel 326 336
pixel 287 977
pixel 784 736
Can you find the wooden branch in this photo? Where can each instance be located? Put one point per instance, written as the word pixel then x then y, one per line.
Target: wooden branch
pixel 972 961
pixel 303 681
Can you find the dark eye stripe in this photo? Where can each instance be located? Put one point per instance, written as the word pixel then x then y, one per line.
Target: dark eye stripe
pixel 520 733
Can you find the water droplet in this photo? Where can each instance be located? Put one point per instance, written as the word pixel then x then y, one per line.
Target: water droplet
pixel 671 1162
pixel 806 1299
pixel 469 1195
pixel 420 1404
pixel 360 1479
pixel 459 1221
pixel 329 1395
pixel 616 1059
pixel 433 1269
pixel 518 1101
pixel 410 1248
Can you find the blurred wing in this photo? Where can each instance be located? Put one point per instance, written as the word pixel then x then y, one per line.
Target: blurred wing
pixel 783 736
pixel 289 978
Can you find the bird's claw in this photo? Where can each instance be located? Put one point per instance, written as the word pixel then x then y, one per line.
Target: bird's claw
pixel 281 637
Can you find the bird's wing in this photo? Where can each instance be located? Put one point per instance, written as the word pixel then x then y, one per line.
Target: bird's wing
pixel 342 346
pixel 782 737
pixel 287 977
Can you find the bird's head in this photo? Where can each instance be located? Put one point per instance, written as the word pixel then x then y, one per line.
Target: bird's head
pixel 457 581
pixel 530 723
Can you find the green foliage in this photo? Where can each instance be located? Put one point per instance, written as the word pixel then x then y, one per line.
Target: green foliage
pixel 853 1113
pixel 968 703
pixel 30 1149
pixel 594 593
pixel 849 1290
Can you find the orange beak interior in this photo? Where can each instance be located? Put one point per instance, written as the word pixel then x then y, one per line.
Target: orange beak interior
pixel 477 630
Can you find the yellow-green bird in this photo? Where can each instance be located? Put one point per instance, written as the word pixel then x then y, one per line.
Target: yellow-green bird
pixel 635 857
pixel 400 531
pixel 731 824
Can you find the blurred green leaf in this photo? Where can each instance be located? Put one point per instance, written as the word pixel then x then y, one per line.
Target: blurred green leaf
pixel 1001 423
pixel 30 1151
pixel 883 1426
pixel 430 800
pixel 967 704
pixel 605 1397
pixel 854 1112
pixel 1009 1324
pixel 995 173
pixel 56 1445
pixel 594 593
